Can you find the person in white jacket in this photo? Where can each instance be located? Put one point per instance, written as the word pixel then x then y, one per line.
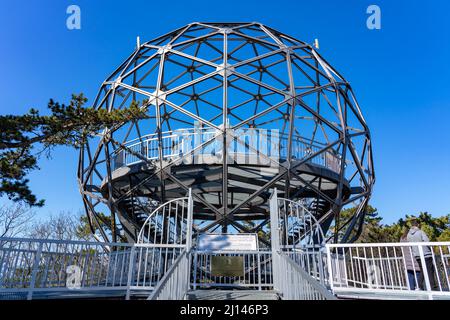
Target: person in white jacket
pixel 417 235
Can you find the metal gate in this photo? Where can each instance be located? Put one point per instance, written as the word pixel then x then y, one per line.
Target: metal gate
pixel 256 273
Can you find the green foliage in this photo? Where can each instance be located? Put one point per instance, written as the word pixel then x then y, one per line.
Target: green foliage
pixel 444 236
pixel 68 125
pixel 84 231
pixel 436 228
pixel 370 230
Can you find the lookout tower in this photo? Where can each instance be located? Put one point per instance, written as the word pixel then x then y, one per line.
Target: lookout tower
pixel 234 111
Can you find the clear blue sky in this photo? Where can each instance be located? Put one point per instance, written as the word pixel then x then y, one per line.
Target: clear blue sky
pixel 400 75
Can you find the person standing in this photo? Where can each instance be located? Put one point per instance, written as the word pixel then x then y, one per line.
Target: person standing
pixel 415 234
pixel 411 265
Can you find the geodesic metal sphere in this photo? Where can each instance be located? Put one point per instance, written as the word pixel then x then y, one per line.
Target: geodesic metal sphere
pixel 233 111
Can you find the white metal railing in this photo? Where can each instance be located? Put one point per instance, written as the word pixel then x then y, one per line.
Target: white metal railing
pixel 175 283
pixel 30 266
pixel 256 270
pixel 298 228
pixel 397 268
pixel 179 143
pixel 299 260
pixel 295 283
pixel 313 260
pixel 168 224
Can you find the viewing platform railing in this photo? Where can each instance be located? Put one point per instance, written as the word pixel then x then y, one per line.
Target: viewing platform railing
pixel 39 267
pixel 415 269
pixel 251 145
pixel 31 268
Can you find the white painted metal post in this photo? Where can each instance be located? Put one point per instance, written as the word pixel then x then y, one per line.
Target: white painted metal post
pixel 35 270
pixel 187 274
pixel 195 270
pixel 259 270
pixel 275 239
pixel 425 271
pixel 130 272
pixel 274 224
pixel 330 268
pixel 190 219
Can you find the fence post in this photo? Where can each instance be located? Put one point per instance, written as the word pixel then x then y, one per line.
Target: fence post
pixel 259 270
pixel 189 221
pixel 330 268
pixel 425 271
pixel 6 253
pixel 34 272
pixel 188 273
pixel 275 239
pixel 195 269
pixel 189 238
pixel 322 273
pixel 130 272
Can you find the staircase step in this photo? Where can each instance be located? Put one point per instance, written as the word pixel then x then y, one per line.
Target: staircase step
pixel 232 295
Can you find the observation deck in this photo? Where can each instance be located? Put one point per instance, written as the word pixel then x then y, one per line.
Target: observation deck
pixel 195 157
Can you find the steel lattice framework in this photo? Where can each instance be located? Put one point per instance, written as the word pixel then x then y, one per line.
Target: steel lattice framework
pixel 217 79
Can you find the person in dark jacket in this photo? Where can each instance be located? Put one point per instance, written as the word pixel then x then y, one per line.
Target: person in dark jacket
pixel 417 235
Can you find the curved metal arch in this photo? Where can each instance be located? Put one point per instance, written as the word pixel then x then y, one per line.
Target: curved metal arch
pixel 168 224
pixel 299 228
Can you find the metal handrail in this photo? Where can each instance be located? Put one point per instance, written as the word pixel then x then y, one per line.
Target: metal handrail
pixel 175 282
pixel 190 131
pixel 41 265
pixel 387 244
pixel 151 215
pixel 305 218
pixel 408 268
pixel 296 283
pixel 57 241
pixel 327 159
